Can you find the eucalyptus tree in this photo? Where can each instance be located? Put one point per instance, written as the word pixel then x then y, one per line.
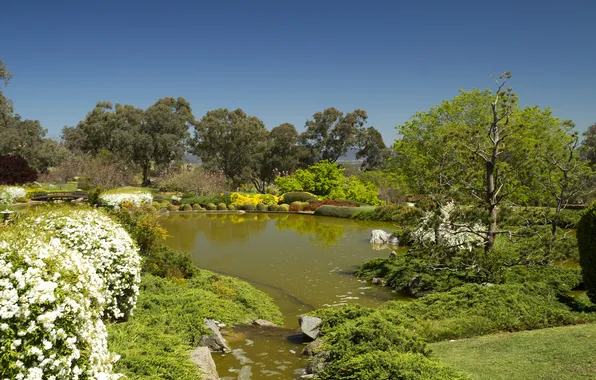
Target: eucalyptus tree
pixel 588 145
pixel 230 142
pixel 372 149
pixel 330 134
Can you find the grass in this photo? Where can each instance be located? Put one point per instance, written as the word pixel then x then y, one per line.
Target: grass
pixel 547 354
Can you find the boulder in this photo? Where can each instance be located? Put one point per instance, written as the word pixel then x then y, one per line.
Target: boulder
pixel 415 290
pixel 392 255
pixel 310 326
pixel 312 348
pixel 201 356
pixel 383 237
pixel 377 281
pixel 263 323
pixel 214 340
pixel 317 363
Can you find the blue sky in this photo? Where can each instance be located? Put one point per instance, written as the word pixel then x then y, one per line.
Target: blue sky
pixel 283 61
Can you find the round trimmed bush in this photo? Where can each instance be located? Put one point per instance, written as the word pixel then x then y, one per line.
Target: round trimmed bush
pixel 197 207
pixel 249 207
pixel 586 242
pixel 231 207
pixel 104 243
pixel 157 205
pixel 186 207
pixel 273 208
pixel 172 208
pixel 165 204
pixel 51 308
pixel 297 206
pixel 262 207
pixel 284 207
pixel 222 206
pixel 298 196
pixel 210 206
pixel 151 209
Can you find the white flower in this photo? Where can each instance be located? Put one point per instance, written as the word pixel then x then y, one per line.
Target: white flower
pixel 8 194
pixel 116 199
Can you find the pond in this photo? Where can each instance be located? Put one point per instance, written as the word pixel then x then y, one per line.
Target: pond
pixel 303 262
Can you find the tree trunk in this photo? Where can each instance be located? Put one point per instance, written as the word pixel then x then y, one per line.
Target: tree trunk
pixel 145 175
pixel 492 202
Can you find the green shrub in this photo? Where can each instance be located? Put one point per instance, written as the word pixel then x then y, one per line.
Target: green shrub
pixel 564 279
pixel 231 207
pixel 586 238
pixel 222 206
pixel 172 208
pixel 186 207
pixel 284 207
pixel 161 198
pixel 391 365
pixel 298 197
pixel 273 208
pixel 402 215
pixel 197 207
pixel 297 206
pixel 249 207
pixel 337 211
pixel 210 206
pixel 262 207
pixel 151 209
pixel 165 204
pixel 156 204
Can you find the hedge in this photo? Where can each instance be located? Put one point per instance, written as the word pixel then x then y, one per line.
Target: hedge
pixel 586 239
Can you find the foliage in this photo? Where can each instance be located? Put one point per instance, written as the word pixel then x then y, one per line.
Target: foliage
pixel 186 207
pixel 102 242
pixel 273 208
pixel 312 206
pixel 154 343
pixel 564 279
pixel 196 180
pixel 586 238
pixel 249 206
pixel 331 133
pixel 210 206
pixel 230 142
pixel 15 170
pixel 401 215
pixel 372 150
pixel 287 183
pixel 9 194
pixel 222 206
pixel 51 307
pixel 588 146
pixel 284 207
pixel 354 189
pixel 337 211
pixel 262 207
pixel 255 199
pixel 297 196
pixel 320 179
pixel 115 197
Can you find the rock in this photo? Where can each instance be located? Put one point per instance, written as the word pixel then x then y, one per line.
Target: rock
pixel 201 356
pixel 414 289
pixel 318 363
pixel 392 255
pixel 377 281
pixel 309 376
pixel 162 211
pixel 382 237
pixel 487 284
pixel 310 326
pixel 264 323
pixel 312 348
pixel 214 341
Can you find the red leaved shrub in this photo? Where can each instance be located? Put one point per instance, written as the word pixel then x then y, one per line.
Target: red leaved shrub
pixel 15 170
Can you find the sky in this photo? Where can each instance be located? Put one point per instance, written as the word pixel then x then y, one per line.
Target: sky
pixel 283 61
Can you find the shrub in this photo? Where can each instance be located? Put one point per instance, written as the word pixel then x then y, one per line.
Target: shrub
pixel 15 170
pixel 297 206
pixel 165 204
pixel 101 241
pixel 127 205
pixel 273 208
pixel 586 238
pixel 186 207
pixel 151 210
pixel 231 207
pixel 116 197
pixel 242 198
pixel 312 206
pixel 402 215
pixel 156 204
pixel 336 211
pixel 262 207
pixel 52 305
pixel 284 207
pixel 391 365
pixel 288 184
pixel 164 262
pixel 210 206
pixel 298 197
pixel 564 279
pixel 222 206
pixel 249 207
pixel 172 208
pixel 197 207
pixel 195 181
pixel 9 194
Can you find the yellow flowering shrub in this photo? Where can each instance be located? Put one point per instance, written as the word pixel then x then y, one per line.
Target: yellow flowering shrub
pixel 255 199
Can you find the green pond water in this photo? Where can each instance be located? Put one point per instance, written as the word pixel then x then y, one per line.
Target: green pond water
pixel 302 261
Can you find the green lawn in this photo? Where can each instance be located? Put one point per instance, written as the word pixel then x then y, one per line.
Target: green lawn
pixel 548 354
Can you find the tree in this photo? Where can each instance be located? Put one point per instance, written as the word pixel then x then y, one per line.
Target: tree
pixel 586 242
pixel 230 142
pixel 331 133
pixel 15 170
pixel 565 173
pixel 280 156
pixel 372 149
pixel 588 145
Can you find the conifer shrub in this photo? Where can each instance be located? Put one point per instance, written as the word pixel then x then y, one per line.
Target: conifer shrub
pixel 262 207
pixel 284 207
pixel 273 208
pixel 186 207
pixel 222 206
pixel 298 196
pixel 586 239
pixel 172 208
pixel 197 207
pixel 210 206
pixel 337 211
pixel 249 207
pixel 231 207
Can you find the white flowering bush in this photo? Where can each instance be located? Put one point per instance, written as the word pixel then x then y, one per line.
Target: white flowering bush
pixel 104 244
pixel 8 194
pixel 450 233
pixel 51 302
pixel 116 199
